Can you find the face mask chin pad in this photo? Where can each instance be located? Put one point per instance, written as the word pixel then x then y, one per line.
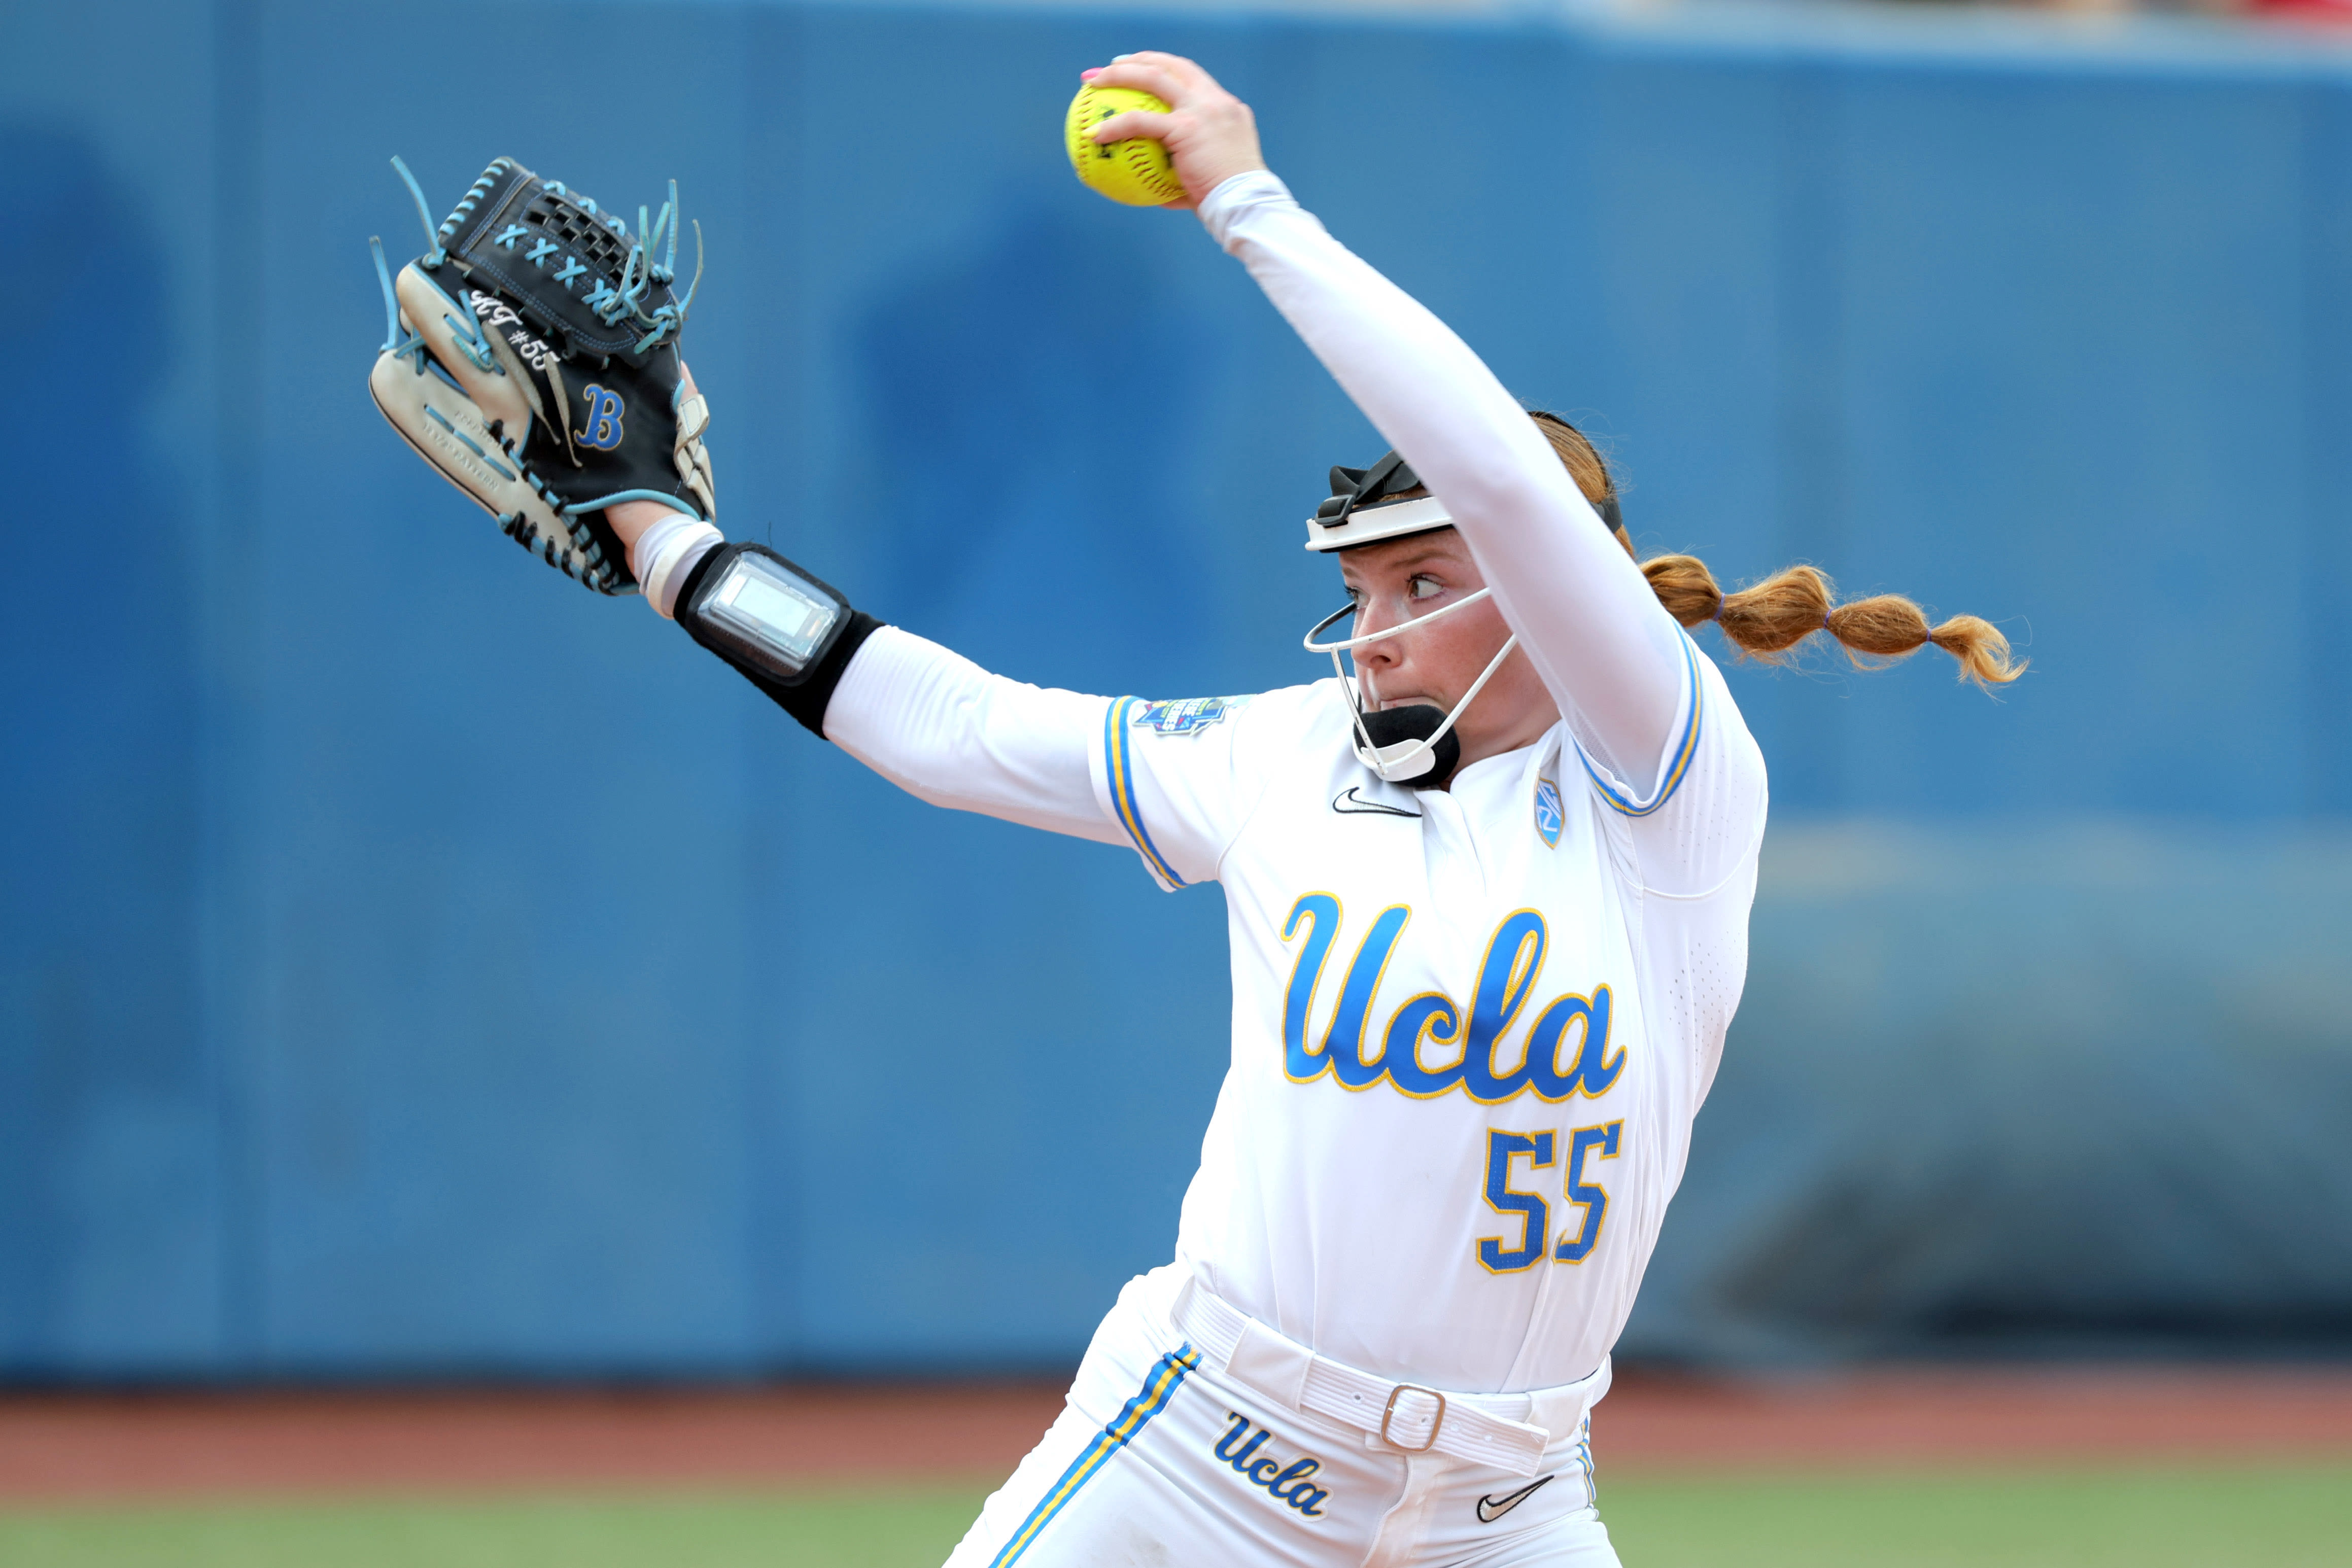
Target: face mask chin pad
pixel 1408 725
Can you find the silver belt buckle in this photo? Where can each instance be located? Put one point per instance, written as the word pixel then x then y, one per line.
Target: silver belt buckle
pixel 1389 1414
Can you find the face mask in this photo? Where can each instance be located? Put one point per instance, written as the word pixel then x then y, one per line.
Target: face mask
pixel 1415 745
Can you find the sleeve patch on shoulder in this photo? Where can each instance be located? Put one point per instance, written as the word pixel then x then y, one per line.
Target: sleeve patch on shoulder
pixel 1189 716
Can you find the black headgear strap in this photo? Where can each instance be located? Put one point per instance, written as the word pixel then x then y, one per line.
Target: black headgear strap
pixel 1354 487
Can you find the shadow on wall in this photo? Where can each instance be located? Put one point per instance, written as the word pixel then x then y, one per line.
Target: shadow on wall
pixel 1011 428
pixel 2016 1091
pixel 108 1233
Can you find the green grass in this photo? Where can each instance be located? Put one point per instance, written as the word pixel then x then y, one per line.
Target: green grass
pixel 2282 1517
pixel 864 1528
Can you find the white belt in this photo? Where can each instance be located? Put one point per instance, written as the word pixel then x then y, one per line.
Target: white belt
pixel 1483 1428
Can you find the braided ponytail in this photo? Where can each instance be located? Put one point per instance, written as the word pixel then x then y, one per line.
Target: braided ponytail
pixel 1768 620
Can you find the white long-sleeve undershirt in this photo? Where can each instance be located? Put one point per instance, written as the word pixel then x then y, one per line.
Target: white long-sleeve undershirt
pixel 950 733
pixel 947 731
pixel 1606 649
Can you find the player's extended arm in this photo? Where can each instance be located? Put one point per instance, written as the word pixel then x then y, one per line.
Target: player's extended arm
pixel 947 731
pixel 1606 650
pixel 930 721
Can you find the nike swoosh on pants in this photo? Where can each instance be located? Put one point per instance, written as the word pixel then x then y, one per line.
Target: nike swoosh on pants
pixel 1491 1509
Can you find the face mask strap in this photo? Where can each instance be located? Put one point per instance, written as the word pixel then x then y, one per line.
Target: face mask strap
pixel 1366 752
pixel 1398 629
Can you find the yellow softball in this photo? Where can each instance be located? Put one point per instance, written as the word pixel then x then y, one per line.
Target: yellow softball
pixel 1136 171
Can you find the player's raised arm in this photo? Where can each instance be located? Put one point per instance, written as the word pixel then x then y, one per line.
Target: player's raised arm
pixel 1611 657
pixel 1599 629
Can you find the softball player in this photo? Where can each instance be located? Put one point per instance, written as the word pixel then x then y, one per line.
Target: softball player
pixel 1487 903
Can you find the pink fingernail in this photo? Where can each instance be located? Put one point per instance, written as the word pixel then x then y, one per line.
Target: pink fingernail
pixel 1090 75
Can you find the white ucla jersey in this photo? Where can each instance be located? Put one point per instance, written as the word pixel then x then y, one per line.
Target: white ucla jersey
pixel 1471 1027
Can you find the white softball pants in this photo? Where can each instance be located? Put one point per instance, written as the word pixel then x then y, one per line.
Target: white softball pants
pixel 1153 1461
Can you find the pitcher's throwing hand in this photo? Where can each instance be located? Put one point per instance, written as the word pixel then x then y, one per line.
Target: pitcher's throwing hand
pixel 1210 134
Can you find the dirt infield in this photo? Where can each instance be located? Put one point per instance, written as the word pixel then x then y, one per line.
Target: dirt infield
pixel 61 1446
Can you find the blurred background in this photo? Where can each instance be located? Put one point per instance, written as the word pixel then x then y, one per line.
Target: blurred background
pixel 376 1009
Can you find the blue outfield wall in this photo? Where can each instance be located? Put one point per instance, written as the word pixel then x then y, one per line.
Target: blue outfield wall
pixel 411 965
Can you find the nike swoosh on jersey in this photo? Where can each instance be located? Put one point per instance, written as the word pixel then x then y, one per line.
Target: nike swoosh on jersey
pixel 1491 1509
pixel 1346 802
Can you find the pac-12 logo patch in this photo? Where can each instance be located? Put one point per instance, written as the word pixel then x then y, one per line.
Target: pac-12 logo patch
pixel 604 419
pixel 1189 717
pixel 1549 818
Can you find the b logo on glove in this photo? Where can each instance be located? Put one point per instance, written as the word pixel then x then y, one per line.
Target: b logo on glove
pixel 604 411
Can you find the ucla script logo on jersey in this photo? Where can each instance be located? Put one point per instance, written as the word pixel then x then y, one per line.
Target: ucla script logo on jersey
pixel 1432 1045
pixel 1188 716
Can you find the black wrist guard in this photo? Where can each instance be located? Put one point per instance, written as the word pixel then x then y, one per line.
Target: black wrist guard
pixel 790 634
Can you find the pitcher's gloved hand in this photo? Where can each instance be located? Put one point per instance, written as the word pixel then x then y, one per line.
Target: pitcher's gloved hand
pixel 531 356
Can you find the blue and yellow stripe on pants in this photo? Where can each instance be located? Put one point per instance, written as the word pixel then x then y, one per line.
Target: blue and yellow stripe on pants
pixel 1148 1401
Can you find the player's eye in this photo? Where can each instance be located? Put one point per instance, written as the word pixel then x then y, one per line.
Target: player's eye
pixel 1423 587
